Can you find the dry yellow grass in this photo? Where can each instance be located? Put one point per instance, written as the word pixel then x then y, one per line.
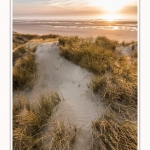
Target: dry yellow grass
pixel 59 136
pixel 112 133
pixel 21 39
pixel 29 119
pixel 115 76
pixel 24 72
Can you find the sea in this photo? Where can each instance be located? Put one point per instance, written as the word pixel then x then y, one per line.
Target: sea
pixel 126 25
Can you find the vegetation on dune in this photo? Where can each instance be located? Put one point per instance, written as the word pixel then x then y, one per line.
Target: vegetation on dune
pixel 24 72
pixel 118 85
pixel 60 136
pixel 115 76
pixel 115 80
pixel 23 50
pixel 21 39
pixel 123 43
pixel 106 43
pixel 88 54
pixel 29 120
pixel 111 133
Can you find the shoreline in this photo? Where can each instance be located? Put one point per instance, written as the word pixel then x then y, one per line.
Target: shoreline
pixel 119 35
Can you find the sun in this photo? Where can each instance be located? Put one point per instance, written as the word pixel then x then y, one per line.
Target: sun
pixel 111 17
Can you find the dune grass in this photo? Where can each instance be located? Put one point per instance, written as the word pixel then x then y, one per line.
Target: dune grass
pixel 88 54
pixel 22 51
pixel 123 43
pixel 60 136
pixel 24 66
pixel 112 133
pixel 115 76
pixel 21 39
pixel 29 119
pixel 115 80
pixel 24 72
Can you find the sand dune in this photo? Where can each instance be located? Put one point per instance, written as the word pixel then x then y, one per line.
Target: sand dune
pixel 80 105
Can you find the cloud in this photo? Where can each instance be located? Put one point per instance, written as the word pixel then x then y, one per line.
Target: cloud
pixel 65 8
pixel 53 11
pixel 60 3
pixel 128 10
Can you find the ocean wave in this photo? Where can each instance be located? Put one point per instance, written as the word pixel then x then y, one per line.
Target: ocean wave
pixel 125 28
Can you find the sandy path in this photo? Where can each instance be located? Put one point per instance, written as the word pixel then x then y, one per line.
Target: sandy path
pixel 80 105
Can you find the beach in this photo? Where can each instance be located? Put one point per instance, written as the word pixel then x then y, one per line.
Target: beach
pixel 119 30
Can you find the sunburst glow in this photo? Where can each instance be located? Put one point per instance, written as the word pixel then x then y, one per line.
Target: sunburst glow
pixel 77 9
pixel 110 6
pixel 110 17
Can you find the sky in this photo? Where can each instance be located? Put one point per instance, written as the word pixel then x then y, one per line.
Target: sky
pixel 75 9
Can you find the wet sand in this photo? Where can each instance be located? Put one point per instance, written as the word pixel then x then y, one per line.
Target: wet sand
pixel 120 35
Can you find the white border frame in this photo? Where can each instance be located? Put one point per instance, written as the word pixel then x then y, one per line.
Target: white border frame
pixel 5 75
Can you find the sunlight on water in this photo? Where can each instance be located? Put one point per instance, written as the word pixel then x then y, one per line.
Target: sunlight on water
pixel 110 24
